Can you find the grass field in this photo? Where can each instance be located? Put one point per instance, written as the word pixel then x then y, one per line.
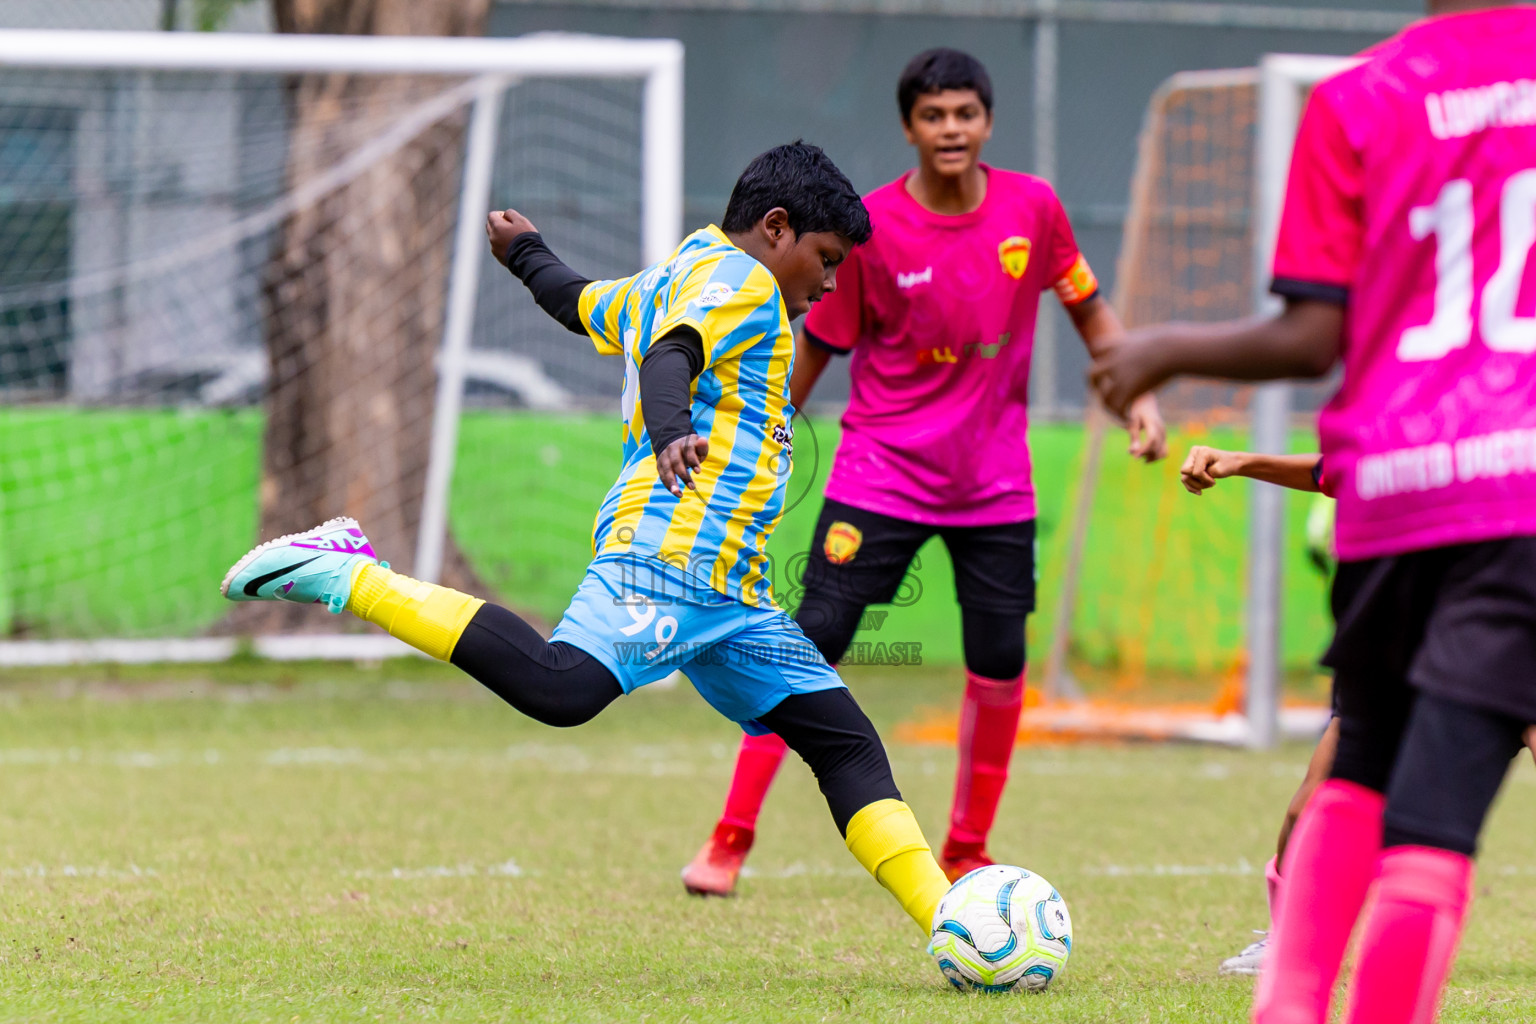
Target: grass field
pixel 117 522
pixel 337 843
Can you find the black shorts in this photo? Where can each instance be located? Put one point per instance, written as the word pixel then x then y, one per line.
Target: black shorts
pixel 862 558
pixel 1459 622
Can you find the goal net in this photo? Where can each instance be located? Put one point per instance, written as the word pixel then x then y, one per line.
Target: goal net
pixel 244 287
pixel 1165 598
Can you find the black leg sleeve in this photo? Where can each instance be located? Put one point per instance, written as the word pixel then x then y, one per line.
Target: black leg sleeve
pixel 553 683
pixel 829 621
pixel 1453 760
pixel 1373 713
pixel 832 734
pixel 994 643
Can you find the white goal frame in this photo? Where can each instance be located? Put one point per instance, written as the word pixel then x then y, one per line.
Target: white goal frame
pixel 1283 81
pixel 493 65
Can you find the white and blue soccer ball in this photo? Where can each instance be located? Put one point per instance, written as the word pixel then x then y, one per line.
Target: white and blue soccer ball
pixel 1001 929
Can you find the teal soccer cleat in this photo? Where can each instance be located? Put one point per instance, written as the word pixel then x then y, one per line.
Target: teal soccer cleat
pixel 314 567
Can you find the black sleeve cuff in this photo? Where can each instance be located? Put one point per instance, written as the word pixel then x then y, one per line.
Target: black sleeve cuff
pixel 1317 291
pixel 822 343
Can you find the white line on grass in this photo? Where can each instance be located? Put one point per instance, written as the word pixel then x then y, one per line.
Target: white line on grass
pixel 506 869
pixel 803 870
pixel 77 871
pixel 1242 867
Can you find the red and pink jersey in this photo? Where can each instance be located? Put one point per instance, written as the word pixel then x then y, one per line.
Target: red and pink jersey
pixel 939 313
pixel 1412 201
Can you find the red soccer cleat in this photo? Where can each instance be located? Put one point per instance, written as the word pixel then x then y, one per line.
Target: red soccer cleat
pixel 715 868
pixel 960 859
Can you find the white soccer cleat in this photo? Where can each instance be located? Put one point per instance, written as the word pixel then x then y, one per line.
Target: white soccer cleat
pixel 314 567
pixel 1251 960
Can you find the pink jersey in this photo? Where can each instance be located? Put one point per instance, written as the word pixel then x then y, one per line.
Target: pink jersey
pixel 1412 200
pixel 939 313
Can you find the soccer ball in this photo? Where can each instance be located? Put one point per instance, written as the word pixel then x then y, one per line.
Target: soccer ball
pixel 1001 928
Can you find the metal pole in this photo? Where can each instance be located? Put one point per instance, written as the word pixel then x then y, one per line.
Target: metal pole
pixel 1278 114
pixel 464 283
pixel 1271 405
pixel 661 143
pixel 1047 48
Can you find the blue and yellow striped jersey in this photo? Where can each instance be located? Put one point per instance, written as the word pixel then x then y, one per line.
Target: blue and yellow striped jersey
pixel 740 404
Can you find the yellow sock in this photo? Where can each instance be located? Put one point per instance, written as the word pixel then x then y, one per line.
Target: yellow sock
pixel 885 838
pixel 428 617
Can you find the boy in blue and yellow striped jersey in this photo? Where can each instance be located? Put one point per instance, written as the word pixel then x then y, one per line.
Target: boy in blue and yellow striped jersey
pixel 679 578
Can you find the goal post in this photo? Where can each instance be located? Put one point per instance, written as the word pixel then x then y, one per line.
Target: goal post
pixel 179 150
pixel 1206 195
pixel 1284 81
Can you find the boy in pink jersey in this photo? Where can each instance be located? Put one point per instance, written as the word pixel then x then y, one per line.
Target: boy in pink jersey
pixel 1405 248
pixel 938 311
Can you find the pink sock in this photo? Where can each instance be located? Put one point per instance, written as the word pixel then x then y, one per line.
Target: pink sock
pixel 1411 935
pixel 757 762
pixel 1275 884
pixel 989 726
pixel 1328 865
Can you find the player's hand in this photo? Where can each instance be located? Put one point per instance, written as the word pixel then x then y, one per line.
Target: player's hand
pixel 1205 466
pixel 1149 438
pixel 1530 740
pixel 1125 369
pixel 678 460
pixel 501 226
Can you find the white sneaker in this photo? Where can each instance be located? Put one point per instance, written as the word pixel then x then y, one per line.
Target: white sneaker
pixel 1250 960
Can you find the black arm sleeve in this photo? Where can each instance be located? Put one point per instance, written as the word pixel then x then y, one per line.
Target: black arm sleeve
pixel 555 287
pixel 669 367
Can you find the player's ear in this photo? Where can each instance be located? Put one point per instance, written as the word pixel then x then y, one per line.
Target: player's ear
pixel 775 227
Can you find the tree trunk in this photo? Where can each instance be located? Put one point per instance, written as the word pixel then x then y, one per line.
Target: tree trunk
pixel 354 293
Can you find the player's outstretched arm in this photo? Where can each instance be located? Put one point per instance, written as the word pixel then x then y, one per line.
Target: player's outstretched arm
pixel 518 246
pixel 1300 341
pixel 1205 466
pixel 1100 328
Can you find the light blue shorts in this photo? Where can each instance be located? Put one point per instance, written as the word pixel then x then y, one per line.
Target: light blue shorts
pixel 644 620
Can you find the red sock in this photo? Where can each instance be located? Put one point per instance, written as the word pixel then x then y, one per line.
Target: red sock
pixel 1328 866
pixel 1411 935
pixel 757 762
pixel 989 726
pixel 1275 885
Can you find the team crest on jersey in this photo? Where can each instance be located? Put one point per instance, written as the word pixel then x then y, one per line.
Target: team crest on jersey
pixel 842 543
pixel 1014 252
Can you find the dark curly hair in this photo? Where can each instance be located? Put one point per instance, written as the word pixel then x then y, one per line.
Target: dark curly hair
pixel 806 183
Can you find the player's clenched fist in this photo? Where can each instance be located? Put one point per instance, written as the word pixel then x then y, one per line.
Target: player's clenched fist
pixel 678 460
pixel 1149 437
pixel 1125 370
pixel 501 226
pixel 1207 465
